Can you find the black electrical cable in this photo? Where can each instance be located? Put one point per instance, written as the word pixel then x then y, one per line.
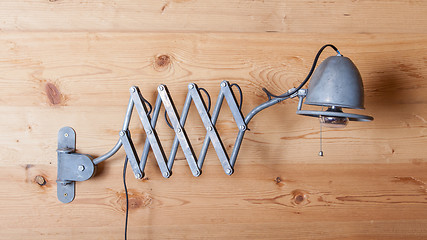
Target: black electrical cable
pixel 285 95
pixel 124 178
pixel 167 121
pixel 209 107
pixel 127 196
pixel 149 106
pixel 209 98
pixel 240 93
pixel 269 95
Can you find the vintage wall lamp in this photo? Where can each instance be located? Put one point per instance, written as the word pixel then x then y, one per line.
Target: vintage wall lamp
pixel 336 84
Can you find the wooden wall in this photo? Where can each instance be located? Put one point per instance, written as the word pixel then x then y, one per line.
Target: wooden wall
pixel 71 63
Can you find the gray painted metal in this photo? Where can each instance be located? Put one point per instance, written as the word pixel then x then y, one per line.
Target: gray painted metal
pixel 336 82
pixel 182 120
pixel 179 131
pixel 178 124
pixel 207 140
pixel 226 93
pixel 71 166
pixel 110 153
pixel 350 116
pixel 147 142
pixel 119 143
pixel 229 97
pixel 248 118
pixel 211 131
pixel 131 153
pixel 136 101
pixel 311 113
pixel 150 132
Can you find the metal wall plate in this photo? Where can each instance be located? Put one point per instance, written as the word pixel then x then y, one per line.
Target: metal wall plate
pixel 66 145
pixel 71 166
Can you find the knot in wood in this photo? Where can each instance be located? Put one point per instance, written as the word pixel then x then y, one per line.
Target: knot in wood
pixel 162 62
pixel 300 197
pixel 53 94
pixel 40 180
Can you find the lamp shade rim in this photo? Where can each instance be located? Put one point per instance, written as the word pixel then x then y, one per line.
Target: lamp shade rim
pixel 334 104
pixel 350 116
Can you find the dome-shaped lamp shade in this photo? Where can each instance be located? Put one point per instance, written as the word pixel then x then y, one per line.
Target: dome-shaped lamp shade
pixel 336 84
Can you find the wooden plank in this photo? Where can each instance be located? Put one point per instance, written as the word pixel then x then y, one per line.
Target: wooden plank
pixel 50 80
pixel 369 185
pixel 349 16
pixel 315 201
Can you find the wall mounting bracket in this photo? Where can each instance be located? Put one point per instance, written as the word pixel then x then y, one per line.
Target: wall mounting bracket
pixel 72 166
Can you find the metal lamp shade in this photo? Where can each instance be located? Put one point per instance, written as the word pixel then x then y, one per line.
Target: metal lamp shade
pixel 336 82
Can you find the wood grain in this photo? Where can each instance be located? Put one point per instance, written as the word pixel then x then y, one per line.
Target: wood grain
pixel 310 201
pixel 82 83
pixel 302 16
pixel 369 185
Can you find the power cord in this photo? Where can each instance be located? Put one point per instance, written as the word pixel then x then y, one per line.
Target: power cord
pixel 168 123
pixel 240 93
pixel 287 94
pixel 269 95
pixel 209 107
pixel 127 196
pixel 124 176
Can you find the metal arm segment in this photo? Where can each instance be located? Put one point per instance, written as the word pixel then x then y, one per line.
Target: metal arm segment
pixel 248 118
pixel 224 93
pixel 125 127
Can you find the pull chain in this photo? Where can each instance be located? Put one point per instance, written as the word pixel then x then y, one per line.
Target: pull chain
pixel 320 133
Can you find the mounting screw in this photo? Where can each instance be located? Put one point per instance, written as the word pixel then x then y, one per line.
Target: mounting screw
pixel 191 85
pixel 228 171
pixel 122 133
pixel 132 89
pixel 65 134
pixel 161 88
pixel 210 128
pixel 149 132
pixel 138 175
pixel 242 127
pixel 196 173
pixel 179 130
pixel 223 84
pixel 81 168
pixel 165 174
